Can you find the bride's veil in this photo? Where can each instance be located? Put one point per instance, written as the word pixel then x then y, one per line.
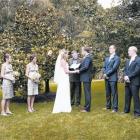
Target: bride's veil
pixel 57 72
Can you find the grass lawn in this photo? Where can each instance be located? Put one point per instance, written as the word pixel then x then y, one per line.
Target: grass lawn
pixel 96 125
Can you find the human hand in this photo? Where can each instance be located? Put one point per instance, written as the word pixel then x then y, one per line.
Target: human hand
pixel 105 76
pixel 32 79
pixel 126 78
pixel 39 76
pixel 13 79
pixel 77 71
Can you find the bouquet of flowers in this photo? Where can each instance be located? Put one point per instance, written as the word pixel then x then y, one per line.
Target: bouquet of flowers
pixel 36 77
pixel 16 74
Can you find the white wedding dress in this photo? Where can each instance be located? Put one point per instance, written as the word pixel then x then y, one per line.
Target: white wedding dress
pixel 62 100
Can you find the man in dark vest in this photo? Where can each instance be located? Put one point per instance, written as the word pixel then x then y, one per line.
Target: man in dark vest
pixel 110 70
pixel 132 81
pixel 75 84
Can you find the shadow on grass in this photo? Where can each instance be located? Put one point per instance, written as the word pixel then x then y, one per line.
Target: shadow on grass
pixel 47 97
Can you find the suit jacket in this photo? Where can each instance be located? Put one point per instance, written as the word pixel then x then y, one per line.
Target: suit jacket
pixel 74 77
pixel 133 71
pixel 111 68
pixel 86 69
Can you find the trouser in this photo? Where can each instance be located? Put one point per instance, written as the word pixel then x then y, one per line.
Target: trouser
pixel 75 88
pixel 87 93
pixel 132 91
pixel 111 95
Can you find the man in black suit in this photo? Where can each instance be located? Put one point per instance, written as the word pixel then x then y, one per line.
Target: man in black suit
pixel 110 70
pixel 75 84
pixel 86 76
pixel 132 81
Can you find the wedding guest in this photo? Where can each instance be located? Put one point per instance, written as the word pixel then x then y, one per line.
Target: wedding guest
pixel 86 75
pixel 132 81
pixel 7 85
pixel 75 84
pixel 110 70
pixel 33 79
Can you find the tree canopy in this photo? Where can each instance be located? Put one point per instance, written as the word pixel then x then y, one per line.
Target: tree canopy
pixel 43 26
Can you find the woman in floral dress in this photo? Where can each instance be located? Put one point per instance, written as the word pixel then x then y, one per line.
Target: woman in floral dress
pixel 7 85
pixel 33 80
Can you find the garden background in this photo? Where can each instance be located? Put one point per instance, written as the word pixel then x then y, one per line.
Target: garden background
pixel 45 26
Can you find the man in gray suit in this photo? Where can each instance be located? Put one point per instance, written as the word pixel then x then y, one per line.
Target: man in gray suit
pixel 75 84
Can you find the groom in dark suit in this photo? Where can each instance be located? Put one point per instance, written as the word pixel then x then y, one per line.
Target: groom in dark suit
pixel 86 76
pixel 132 81
pixel 110 70
pixel 75 83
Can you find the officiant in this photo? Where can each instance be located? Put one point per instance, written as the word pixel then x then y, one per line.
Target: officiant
pixel 75 84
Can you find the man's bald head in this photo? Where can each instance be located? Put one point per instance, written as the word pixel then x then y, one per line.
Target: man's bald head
pixel 132 51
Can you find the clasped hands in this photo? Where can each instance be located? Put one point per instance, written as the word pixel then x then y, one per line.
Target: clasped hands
pixel 76 71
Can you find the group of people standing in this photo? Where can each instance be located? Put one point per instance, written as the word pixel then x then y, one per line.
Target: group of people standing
pixel 110 74
pixel 9 77
pixel 68 75
pixel 71 73
pixel 131 79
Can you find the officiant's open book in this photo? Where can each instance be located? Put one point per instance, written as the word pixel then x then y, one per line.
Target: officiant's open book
pixel 75 66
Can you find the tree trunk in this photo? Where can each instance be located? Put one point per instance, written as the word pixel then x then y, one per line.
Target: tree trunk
pixel 47 87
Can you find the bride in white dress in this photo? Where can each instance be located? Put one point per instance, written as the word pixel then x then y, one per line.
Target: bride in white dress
pixel 61 77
